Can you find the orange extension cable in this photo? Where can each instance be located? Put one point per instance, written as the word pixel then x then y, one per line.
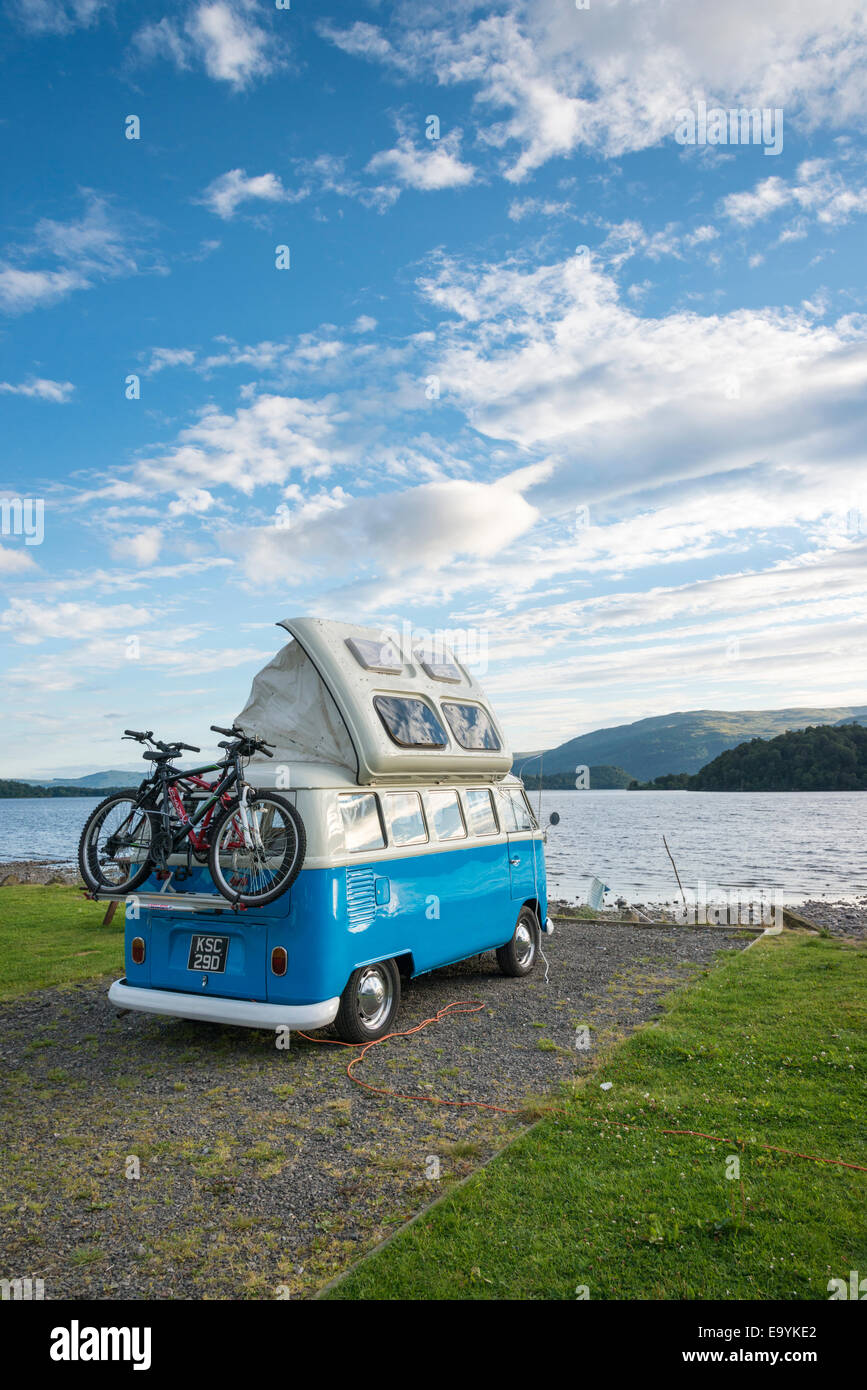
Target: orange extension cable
pixel 459 1006
pixel 474 1006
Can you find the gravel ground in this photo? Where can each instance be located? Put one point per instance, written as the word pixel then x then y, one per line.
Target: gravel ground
pixel 839 918
pixel 264 1172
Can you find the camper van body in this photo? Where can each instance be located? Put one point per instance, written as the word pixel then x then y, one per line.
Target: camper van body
pixel 415 855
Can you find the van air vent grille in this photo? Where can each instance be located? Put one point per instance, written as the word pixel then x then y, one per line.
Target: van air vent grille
pixel 360 897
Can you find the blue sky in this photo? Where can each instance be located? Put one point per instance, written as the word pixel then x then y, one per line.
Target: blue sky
pixel 585 396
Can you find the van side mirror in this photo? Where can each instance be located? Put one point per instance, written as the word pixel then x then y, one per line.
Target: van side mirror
pixel 554 818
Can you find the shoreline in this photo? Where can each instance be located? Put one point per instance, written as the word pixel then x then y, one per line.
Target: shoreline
pixel 840 916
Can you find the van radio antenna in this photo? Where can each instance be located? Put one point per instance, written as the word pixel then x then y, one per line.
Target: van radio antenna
pixel 532 757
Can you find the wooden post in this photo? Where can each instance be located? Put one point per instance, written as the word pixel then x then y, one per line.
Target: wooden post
pixel 676 874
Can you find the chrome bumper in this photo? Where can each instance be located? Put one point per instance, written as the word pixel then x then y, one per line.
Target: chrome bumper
pixel 241 1013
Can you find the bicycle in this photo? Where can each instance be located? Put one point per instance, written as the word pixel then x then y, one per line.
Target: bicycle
pixel 253 842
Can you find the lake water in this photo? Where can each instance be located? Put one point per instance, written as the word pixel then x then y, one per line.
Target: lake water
pixel 799 844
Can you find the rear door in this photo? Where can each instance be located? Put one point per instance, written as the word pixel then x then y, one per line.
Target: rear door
pixel 222 953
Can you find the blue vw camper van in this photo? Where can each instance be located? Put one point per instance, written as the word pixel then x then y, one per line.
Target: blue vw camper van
pixel 421 848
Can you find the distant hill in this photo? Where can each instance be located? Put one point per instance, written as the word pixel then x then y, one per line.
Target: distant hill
pixel 822 758
pixel 600 778
pixel 98 780
pixel 682 742
pixel 11 789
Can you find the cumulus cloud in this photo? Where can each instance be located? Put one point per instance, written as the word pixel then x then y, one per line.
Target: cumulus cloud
pixel 433 166
pixel 556 79
pixel 551 358
pixel 223 37
pixel 828 194
pixel 416 531
pixel 258 445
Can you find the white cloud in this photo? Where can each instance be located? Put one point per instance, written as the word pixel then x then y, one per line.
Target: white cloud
pixel 519 208
pixel 95 246
pixel 197 501
pixel 226 193
pixel 161 358
pixel 566 79
pixel 418 531
pixel 31 622
pixel 40 388
pixel 223 37
pixel 260 444
pixel 436 166
pixel 22 290
pixel 550 358
pixel 15 561
pixel 830 195
pixel 57 17
pixel 163 39
pixel 143 547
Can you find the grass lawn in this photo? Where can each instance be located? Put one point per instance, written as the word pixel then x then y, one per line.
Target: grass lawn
pixel 769 1047
pixel 50 935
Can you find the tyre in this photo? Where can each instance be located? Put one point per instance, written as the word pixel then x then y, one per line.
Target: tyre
pixel 369 1004
pixel 518 956
pixel 114 852
pixel 255 876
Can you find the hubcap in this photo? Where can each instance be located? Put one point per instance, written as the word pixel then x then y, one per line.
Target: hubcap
pixel 525 947
pixel 373 995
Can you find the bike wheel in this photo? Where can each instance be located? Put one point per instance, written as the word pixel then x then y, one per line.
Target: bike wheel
pixel 258 871
pixel 114 852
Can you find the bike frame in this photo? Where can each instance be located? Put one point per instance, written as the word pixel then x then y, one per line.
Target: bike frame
pixel 169 779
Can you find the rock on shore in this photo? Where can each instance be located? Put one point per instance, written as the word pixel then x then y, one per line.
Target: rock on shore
pixel 16 871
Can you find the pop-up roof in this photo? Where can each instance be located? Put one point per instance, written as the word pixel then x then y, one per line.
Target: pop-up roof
pixel 356 697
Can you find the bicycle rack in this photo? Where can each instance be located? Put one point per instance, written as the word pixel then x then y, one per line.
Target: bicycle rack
pixel 165 900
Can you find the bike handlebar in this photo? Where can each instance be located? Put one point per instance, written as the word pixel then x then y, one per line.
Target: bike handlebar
pixel 248 742
pixel 148 737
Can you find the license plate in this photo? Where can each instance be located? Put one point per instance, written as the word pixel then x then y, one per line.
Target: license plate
pixel 208 954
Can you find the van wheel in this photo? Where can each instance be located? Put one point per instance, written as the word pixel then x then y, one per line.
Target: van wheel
pixel 369 1004
pixel 518 956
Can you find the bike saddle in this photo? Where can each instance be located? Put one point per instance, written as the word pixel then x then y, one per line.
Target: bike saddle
pixel 157 757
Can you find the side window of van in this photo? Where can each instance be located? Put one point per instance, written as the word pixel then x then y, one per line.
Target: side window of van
pixel 514 811
pixel 480 811
pixel 405 818
pixel 446 815
pixel 523 815
pixel 362 826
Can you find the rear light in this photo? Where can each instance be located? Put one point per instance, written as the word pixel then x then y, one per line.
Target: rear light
pixel 279 960
pixel 137 950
